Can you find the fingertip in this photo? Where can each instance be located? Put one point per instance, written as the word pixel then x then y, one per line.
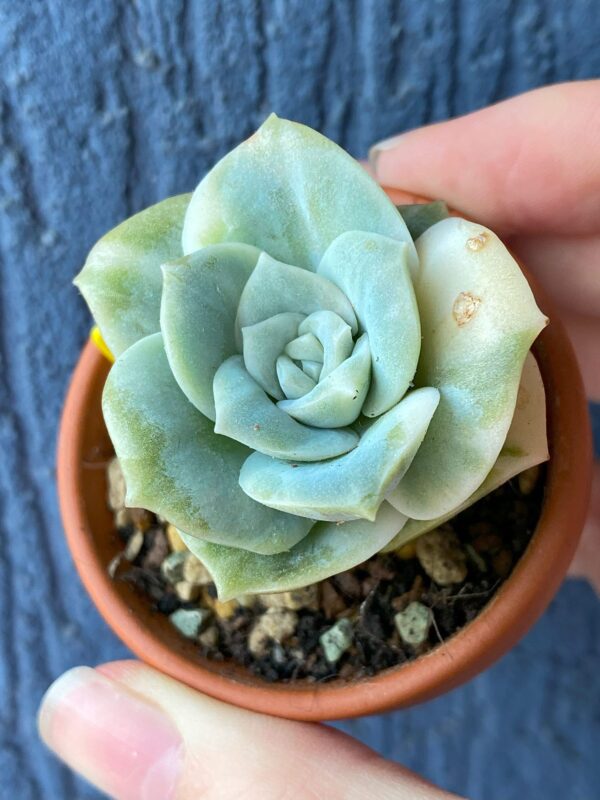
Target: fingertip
pixel 529 163
pixel 54 698
pixel 120 742
pixel 385 145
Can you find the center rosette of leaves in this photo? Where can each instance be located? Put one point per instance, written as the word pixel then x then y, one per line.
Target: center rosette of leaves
pixel 311 365
pixel 307 368
pixel 296 331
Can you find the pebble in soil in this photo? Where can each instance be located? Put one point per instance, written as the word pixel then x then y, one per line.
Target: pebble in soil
pixel 389 610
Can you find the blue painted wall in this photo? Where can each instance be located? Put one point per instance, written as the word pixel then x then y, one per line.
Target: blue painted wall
pixel 108 106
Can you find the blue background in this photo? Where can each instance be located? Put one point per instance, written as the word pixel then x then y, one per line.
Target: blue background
pixel 108 106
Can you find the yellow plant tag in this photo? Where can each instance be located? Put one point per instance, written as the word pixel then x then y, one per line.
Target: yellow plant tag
pixel 97 339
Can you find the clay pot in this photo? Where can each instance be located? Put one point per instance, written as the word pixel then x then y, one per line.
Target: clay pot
pixel 84 450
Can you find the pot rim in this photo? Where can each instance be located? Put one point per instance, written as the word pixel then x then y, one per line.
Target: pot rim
pixel 514 608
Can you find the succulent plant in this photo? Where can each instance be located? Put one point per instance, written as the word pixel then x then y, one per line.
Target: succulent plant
pixel 298 384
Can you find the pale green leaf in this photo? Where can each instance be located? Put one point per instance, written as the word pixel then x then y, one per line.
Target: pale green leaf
pixel 313 369
pixel 354 484
pixel 337 399
pixel 479 319
pixel 304 347
pixel 121 279
pixel 175 465
pixel 294 381
pixel 245 413
pixel 526 446
pixel 328 549
pixel 334 335
pixel 290 191
pixel 262 345
pixel 275 287
pixel 372 272
pixel 199 304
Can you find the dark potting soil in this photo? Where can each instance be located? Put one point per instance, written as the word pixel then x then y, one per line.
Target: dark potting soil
pixel 387 611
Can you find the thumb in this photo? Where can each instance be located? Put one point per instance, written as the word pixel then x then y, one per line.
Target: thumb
pixel 530 164
pixel 139 735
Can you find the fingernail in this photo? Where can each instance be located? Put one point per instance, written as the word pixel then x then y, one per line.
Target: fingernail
pixel 382 146
pixel 121 743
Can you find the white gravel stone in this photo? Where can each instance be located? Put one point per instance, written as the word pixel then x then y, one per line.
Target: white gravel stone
pixel 123 518
pixel 187 592
pixel 189 621
pixel 172 568
pixel 176 543
pixel 336 640
pixel 133 546
pixel 209 637
pixel 116 485
pixel 413 623
pixel 114 565
pixel 442 556
pixel 275 624
pixel 195 572
pixel 308 597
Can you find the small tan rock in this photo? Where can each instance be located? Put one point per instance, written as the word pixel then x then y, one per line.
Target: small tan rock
pixel 114 565
pixel 407 551
pixel 258 641
pixel 276 624
pixel 141 519
pixel 279 623
pixel 133 546
pixel 123 518
pixel 195 572
pixel 176 543
pixel 441 556
pixel 187 592
pixel 209 637
pixel 247 600
pixel 222 610
pixel 528 480
pixel 308 597
pixel 116 485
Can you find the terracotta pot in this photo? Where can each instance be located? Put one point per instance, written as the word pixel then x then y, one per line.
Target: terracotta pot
pixel 84 449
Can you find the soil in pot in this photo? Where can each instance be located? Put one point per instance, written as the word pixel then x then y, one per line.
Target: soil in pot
pixel 387 611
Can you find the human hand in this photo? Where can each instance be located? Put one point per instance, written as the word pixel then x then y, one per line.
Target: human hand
pixel 529 168
pixel 138 735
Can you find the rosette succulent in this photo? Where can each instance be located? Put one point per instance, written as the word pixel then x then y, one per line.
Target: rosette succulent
pixel 298 384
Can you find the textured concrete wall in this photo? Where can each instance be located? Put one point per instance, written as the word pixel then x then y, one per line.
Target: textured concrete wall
pixel 107 106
